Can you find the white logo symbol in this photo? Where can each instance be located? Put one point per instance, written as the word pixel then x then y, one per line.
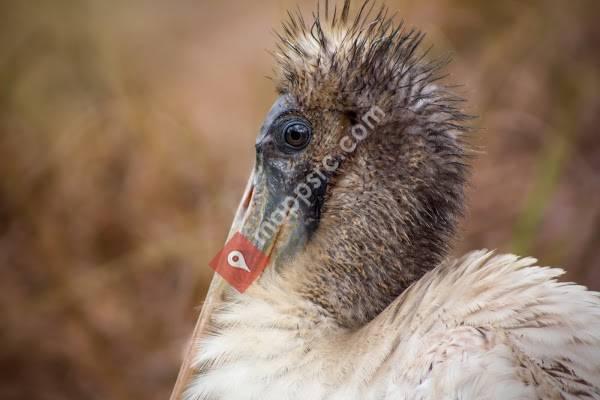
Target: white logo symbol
pixel 236 260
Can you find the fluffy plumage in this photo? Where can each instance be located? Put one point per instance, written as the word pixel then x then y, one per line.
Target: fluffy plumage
pixel 347 64
pixel 369 309
pixel 483 327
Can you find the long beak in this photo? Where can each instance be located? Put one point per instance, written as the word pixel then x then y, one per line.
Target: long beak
pixel 213 298
pixel 260 204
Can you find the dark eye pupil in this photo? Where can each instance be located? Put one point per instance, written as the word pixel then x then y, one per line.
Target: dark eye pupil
pixel 297 135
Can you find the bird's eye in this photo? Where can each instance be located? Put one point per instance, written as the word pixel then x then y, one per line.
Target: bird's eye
pixel 296 134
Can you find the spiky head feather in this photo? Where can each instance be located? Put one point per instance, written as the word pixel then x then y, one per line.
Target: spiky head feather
pixel 347 64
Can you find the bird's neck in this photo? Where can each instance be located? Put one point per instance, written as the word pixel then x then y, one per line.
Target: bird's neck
pixel 362 259
pixel 268 334
pixel 271 342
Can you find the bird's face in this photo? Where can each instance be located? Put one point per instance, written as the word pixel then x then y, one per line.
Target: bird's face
pixel 297 156
pixel 353 190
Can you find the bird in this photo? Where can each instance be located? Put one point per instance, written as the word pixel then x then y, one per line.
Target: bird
pixel 354 201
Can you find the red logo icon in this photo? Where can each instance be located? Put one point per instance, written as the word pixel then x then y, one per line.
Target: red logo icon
pixel 240 262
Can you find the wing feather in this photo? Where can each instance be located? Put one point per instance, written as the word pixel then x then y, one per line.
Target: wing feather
pixel 496 327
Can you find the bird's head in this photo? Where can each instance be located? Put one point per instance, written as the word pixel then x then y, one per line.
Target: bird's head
pixel 360 164
pixel 360 167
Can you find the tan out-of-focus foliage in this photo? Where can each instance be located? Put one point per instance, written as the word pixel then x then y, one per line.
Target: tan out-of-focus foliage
pixel 126 132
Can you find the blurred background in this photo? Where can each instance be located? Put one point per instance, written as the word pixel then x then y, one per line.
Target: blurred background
pixel 126 136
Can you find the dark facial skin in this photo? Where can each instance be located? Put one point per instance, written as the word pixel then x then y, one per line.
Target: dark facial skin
pixel 295 174
pixel 283 166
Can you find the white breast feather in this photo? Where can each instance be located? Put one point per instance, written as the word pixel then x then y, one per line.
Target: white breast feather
pixel 483 327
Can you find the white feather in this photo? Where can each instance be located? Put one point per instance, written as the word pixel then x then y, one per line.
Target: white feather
pixel 483 327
